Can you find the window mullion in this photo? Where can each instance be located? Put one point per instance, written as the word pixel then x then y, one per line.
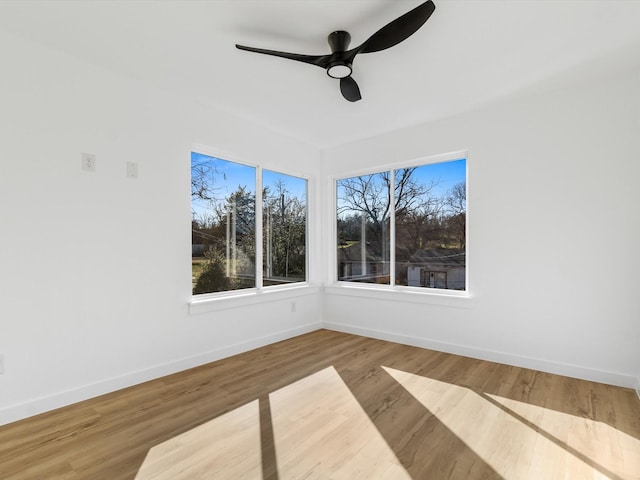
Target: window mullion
pixel 258 227
pixel 392 229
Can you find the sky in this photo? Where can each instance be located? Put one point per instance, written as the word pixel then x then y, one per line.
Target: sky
pixel 441 177
pixel 229 175
pixel 447 174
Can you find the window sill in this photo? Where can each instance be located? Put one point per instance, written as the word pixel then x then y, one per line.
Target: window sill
pixel 240 298
pixel 426 296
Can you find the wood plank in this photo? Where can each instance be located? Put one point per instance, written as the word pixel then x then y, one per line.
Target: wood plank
pixel 333 405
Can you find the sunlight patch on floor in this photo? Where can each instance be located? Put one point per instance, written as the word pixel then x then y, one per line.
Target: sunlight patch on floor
pixel 223 448
pixel 523 441
pixel 321 432
pixel 613 449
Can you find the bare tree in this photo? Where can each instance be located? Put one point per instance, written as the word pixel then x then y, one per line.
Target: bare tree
pixel 414 203
pixel 202 179
pixel 371 194
pixel 457 198
pixel 456 203
pixel 285 232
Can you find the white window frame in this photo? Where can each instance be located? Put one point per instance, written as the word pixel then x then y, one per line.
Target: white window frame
pixel 373 290
pixel 205 302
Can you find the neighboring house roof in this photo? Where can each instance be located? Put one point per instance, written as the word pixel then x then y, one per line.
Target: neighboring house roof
pixel 353 252
pixel 439 258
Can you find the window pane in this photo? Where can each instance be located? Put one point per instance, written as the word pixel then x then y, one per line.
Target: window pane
pixel 223 208
pixel 431 210
pixel 284 224
pixel 363 228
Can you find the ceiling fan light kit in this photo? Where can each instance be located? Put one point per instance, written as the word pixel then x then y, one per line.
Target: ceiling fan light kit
pixel 339 70
pixel 338 64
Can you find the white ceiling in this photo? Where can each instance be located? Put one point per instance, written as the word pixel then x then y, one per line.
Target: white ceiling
pixel 467 54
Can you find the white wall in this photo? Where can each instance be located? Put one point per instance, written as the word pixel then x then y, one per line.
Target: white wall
pixel 95 267
pixel 638 303
pixel 554 230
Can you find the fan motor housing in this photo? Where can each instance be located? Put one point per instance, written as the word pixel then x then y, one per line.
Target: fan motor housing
pixel 339 41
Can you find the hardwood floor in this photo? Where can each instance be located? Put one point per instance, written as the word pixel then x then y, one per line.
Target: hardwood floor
pixel 331 405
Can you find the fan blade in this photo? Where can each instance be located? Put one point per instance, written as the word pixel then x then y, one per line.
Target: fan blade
pixel 398 30
pixel 349 89
pixel 319 60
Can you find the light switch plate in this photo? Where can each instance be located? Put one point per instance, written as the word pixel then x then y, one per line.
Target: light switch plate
pixel 132 170
pixel 88 162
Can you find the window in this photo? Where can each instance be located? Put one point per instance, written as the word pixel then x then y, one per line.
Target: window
pixel 404 227
pixel 284 214
pixel 363 228
pixel 227 216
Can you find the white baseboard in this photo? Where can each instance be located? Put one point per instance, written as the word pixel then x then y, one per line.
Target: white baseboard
pixel 36 406
pixel 32 407
pixel 574 371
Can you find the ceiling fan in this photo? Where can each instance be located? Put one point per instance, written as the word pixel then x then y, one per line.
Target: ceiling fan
pixel 338 63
